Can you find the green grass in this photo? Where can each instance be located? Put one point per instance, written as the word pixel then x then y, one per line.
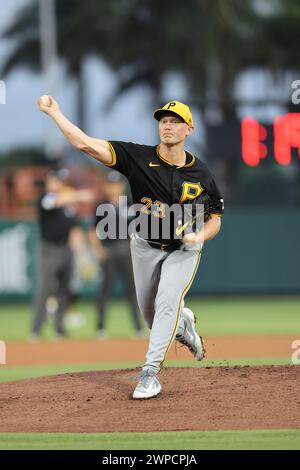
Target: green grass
pixel 192 440
pixel 248 316
pixel 221 316
pixel 15 321
pixel 8 373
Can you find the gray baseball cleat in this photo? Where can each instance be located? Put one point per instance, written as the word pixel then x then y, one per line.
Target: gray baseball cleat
pixel 190 337
pixel 148 386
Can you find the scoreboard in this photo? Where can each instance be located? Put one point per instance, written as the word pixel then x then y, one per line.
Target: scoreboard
pixel 286 137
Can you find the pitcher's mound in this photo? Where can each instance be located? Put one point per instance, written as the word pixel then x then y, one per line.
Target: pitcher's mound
pixel 192 399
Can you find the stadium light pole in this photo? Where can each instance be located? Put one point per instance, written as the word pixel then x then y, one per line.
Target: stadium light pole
pixel 49 62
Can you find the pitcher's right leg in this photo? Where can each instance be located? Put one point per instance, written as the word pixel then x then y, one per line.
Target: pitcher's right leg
pixel 146 263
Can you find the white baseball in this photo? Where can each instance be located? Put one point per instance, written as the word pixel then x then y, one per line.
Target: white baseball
pixel 45 100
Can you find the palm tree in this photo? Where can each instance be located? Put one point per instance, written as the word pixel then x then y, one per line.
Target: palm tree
pixel 154 37
pixel 208 41
pixel 78 36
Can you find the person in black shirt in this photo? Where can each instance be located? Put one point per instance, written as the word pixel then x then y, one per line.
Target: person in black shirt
pixel 56 219
pixel 114 255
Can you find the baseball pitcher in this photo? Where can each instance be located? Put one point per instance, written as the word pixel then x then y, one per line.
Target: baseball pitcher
pixel 166 255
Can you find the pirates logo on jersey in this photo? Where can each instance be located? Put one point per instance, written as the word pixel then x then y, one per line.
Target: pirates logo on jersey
pixel 190 191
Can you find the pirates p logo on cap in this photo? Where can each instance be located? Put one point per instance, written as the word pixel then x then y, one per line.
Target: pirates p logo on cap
pixel 177 108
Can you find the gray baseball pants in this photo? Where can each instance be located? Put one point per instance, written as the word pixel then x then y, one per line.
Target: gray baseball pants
pixel 54 277
pixel 162 280
pixel 118 261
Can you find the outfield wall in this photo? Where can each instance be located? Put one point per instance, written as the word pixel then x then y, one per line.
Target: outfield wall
pixel 257 251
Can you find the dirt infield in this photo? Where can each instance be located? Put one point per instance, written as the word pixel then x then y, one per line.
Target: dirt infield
pixel 95 351
pixel 265 397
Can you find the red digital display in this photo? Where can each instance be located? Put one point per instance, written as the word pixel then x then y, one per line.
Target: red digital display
pixel 286 137
pixel 253 148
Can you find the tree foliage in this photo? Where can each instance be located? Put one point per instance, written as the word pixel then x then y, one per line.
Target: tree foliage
pixel 141 40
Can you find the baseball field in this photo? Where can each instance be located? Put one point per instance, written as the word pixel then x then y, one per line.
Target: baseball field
pixel 76 393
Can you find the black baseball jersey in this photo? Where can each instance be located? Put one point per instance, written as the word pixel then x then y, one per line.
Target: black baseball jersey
pixel 55 222
pixel 155 182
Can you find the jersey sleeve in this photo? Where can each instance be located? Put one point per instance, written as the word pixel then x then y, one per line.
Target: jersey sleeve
pixel 124 154
pixel 216 200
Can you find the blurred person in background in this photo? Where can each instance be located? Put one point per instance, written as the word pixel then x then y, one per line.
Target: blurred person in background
pixel 57 218
pixel 114 256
